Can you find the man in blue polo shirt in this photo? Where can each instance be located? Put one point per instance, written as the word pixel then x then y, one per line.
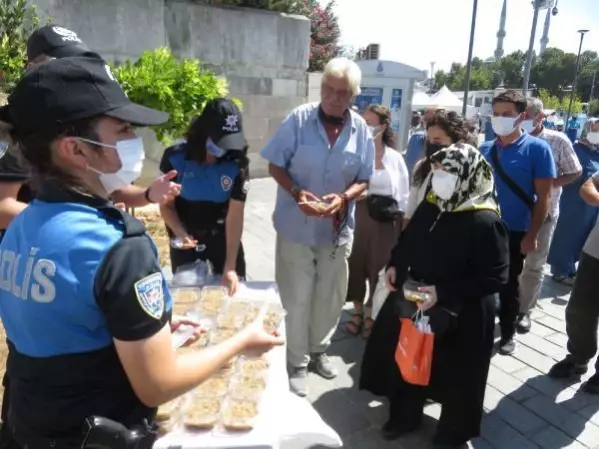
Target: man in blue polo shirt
pixel 524 170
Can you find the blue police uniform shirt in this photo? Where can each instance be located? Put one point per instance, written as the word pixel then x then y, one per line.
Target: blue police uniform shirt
pixel 525 160
pixel 72 278
pixel 205 188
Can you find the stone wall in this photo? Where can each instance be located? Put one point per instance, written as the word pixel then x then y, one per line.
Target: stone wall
pixel 263 55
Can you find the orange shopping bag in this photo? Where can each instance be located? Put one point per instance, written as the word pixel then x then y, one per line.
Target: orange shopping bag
pixel 414 352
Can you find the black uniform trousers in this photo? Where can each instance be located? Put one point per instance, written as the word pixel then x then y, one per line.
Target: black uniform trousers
pixel 582 312
pixel 215 252
pixel 509 295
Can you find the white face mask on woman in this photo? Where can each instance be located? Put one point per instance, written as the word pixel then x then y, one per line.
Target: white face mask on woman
pixel 444 184
pixel 131 153
pixel 503 126
pixel 593 137
pixel 375 131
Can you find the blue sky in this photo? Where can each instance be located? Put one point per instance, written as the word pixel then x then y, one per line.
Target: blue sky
pixel 417 32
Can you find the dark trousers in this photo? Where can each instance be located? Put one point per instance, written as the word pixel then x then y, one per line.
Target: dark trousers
pixel 215 252
pixel 509 295
pixel 582 312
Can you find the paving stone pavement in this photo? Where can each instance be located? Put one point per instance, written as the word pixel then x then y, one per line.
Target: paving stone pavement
pixel 524 408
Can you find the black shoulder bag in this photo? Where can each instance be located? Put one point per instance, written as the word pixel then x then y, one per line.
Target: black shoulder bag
pixel 521 194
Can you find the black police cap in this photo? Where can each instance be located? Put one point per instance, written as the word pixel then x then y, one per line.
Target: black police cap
pixel 224 124
pixel 55 41
pixel 71 89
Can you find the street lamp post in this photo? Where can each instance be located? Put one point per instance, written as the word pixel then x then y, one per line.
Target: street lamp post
pixel 531 46
pixel 573 93
pixel 593 87
pixel 469 64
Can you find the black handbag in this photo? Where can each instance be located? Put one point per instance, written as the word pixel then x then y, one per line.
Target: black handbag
pixel 383 209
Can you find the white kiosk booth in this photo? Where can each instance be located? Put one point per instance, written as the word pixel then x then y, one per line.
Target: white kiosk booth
pixel 391 84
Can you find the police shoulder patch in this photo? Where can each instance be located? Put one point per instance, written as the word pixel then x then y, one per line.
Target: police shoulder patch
pixel 226 182
pixel 150 294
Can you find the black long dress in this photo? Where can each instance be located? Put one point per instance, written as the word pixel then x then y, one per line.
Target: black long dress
pixel 465 256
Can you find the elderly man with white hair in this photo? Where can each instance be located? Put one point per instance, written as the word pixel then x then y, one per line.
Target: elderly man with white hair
pixel 322 157
pixel 568 168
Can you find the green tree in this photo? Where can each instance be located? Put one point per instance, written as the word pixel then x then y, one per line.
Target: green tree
pixel 325 33
pixel 554 71
pixel 17 21
pixel 511 68
pixel 180 87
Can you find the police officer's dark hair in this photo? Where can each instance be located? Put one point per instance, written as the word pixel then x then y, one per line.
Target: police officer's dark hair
pixel 197 136
pixel 36 149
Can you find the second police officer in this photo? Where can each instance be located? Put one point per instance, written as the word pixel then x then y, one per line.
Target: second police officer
pixel 82 296
pixel 206 219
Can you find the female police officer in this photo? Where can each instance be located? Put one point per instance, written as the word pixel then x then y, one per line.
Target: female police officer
pixel 212 168
pixel 82 296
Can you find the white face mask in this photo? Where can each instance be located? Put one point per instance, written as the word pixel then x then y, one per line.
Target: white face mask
pixel 444 184
pixel 503 126
pixel 528 125
pixel 375 131
pixel 593 137
pixel 131 153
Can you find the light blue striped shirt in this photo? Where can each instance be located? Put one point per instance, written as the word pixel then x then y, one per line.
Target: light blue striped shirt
pixel 301 146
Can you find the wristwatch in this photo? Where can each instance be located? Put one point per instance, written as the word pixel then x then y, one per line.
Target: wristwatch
pixel 294 192
pixel 147 196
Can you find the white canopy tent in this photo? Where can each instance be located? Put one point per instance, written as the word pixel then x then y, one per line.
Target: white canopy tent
pixel 421 100
pixel 445 99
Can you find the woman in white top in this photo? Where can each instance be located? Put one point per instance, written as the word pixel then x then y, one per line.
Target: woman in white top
pixel 378 218
pixel 444 129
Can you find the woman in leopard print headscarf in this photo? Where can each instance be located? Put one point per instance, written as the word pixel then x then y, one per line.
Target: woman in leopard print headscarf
pixel 475 186
pixel 456 247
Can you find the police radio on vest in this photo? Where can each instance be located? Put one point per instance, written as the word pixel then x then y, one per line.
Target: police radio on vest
pixel 29 278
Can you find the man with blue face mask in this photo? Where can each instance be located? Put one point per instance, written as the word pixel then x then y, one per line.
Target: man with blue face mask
pixel 524 170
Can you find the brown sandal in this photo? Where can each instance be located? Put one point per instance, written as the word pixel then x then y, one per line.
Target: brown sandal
pixel 367 327
pixel 354 326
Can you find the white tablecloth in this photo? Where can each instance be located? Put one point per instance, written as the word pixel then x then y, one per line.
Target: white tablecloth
pixel 284 418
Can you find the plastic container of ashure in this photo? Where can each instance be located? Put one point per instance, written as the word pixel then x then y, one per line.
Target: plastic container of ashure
pixel 248 386
pixel 214 387
pixel 169 415
pixel 212 300
pixel 184 298
pixel 411 291
pixel 239 415
pixel 273 317
pixel 253 366
pixel 244 310
pixel 201 413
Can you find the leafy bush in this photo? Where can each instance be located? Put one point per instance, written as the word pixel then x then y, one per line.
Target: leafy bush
pixel 181 87
pixel 553 102
pixel 17 21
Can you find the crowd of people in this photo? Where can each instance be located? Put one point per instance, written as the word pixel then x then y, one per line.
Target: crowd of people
pixel 473 225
